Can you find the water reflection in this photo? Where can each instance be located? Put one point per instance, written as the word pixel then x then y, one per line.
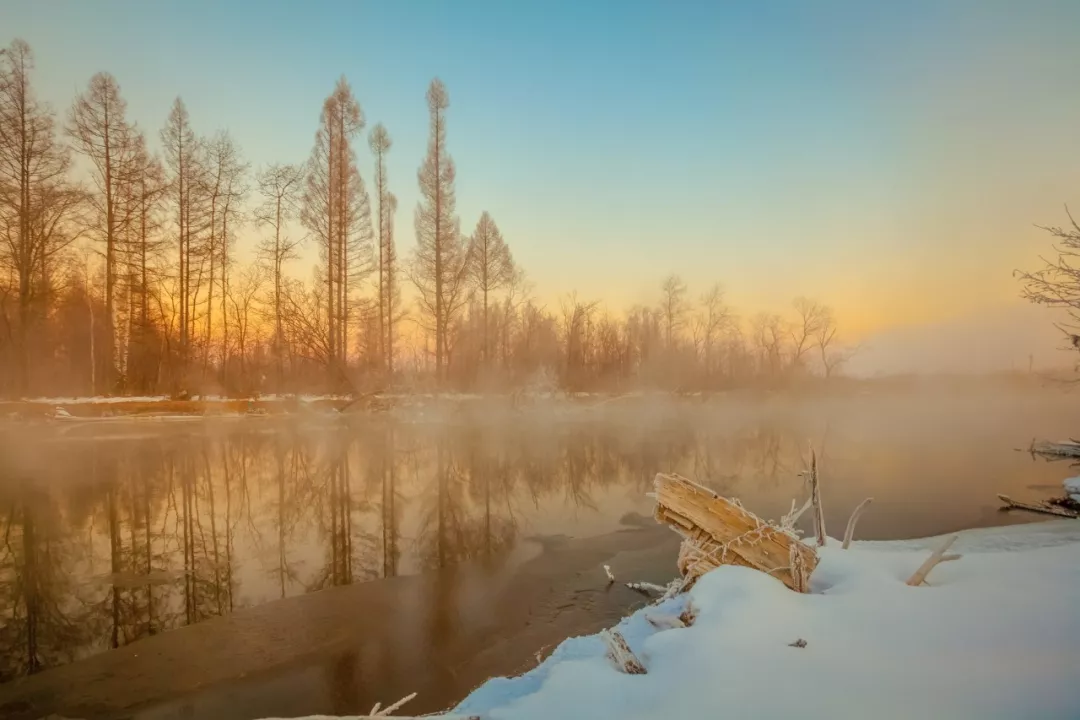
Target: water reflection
pixel 109 541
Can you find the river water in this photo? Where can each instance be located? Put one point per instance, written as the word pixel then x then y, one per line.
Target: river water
pixel 239 568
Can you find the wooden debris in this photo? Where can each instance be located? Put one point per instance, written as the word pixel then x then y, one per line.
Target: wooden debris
pixel 1069 448
pixel 850 532
pixel 688 615
pixel 720 531
pixel 664 622
pixel 385 712
pixel 610 575
pixel 815 499
pixel 646 588
pixel 951 556
pixel 621 654
pixel 1040 507
pixel 935 557
pixel 800 643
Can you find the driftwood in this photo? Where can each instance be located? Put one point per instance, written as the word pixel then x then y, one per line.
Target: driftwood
pixel 815 499
pixel 850 531
pixel 646 588
pixel 1065 448
pixel 720 531
pixel 935 557
pixel 1040 507
pixel 621 654
pixel 610 575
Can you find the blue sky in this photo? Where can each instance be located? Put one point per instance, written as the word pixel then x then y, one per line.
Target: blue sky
pixel 889 158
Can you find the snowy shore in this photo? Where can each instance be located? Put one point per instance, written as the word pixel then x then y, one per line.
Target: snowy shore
pixel 994 634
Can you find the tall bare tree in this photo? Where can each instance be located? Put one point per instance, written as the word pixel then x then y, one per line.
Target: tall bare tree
pixel 279 187
pixel 182 158
pixel 806 328
pixel 99 128
pixel 33 168
pixel 334 208
pixel 673 308
pixel 380 142
pixel 491 269
pixel 441 258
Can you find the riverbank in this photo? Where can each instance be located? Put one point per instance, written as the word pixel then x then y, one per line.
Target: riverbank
pixel 995 634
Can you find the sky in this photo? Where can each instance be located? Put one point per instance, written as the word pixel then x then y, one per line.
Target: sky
pixel 889 158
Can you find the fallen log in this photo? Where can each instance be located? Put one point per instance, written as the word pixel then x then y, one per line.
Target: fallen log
pixel 1040 507
pixel 719 531
pixel 919 576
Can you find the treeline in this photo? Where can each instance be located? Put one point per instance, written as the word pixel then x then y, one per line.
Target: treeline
pixel 120 272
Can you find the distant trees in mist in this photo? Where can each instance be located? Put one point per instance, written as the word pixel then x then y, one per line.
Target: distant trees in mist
pixel 1056 283
pixel 125 275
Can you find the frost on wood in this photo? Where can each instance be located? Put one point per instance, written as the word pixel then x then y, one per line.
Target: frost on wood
pixel 1039 507
pixel 645 588
pixel 849 533
pixel 720 531
pixel 800 577
pixel 621 654
pixel 385 712
pixel 815 499
pixel 610 575
pixel 935 557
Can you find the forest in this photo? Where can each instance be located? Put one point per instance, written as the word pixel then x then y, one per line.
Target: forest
pixel 137 261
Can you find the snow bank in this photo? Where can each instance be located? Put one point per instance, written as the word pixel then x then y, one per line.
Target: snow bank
pixel 1072 486
pixel 101 399
pixel 995 635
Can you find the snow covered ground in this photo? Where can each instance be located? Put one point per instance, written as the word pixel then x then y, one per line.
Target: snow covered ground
pixel 995 634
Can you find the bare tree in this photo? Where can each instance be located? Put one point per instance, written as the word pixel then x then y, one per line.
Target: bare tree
pixel 337 212
pixel 1057 283
pixel 807 327
pixel 491 269
pixel 33 167
pixel 183 161
pixel 101 132
pixel 379 141
pixel 279 187
pixel 714 318
pixel 673 307
pixel 440 261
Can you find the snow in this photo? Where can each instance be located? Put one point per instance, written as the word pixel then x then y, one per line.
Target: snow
pixel 1072 486
pixel 994 635
pixel 96 400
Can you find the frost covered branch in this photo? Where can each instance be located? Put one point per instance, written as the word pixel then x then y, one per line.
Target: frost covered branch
pixel 610 576
pixel 935 557
pixel 647 587
pixel 665 622
pixel 621 654
pixel 850 532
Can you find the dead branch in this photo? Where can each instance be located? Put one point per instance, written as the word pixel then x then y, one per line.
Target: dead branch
pixel 815 497
pixel 385 712
pixel 850 532
pixel 621 654
pixel 645 588
pixel 951 556
pixel 935 557
pixel 1043 507
pixel 610 576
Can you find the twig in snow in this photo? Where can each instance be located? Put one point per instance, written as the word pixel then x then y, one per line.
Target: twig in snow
pixel 788 521
pixel 646 587
pixel 800 643
pixel 850 532
pixel 664 622
pixel 385 712
pixel 935 557
pixel 951 556
pixel 621 654
pixel 610 576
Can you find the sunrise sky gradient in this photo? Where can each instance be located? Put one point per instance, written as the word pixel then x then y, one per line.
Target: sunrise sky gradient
pixel 890 159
